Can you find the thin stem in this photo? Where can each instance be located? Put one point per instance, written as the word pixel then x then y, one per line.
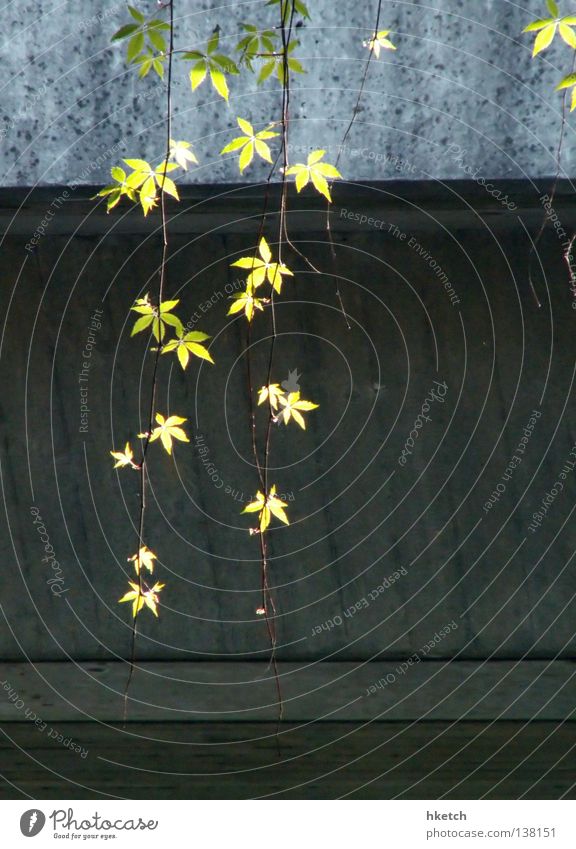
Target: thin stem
pixel 540 233
pixel 355 112
pixel 154 382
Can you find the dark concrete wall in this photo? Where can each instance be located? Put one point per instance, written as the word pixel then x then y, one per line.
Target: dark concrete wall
pixel 358 515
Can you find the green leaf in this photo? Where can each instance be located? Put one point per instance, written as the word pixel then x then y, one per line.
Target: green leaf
pixel 118 173
pixel 213 42
pixel 199 351
pixel 567 34
pixel 113 199
pixel 246 157
pixel 145 63
pixel 169 186
pixel 157 40
pixel 135 46
pixel 173 321
pixel 245 126
pixel 168 306
pixel 218 79
pixel 567 82
pixel 142 323
pixel 138 164
pixel 158 24
pixel 123 32
pixel 158 67
pixel 198 74
pixel 226 63
pixel 263 150
pixel 295 65
pixel 536 25
pixel 266 70
pixel 235 144
pixel 544 39
pixel 138 16
pixel 552 8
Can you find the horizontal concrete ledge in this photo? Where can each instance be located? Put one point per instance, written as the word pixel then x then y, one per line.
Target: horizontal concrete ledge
pixel 241 692
pixel 234 208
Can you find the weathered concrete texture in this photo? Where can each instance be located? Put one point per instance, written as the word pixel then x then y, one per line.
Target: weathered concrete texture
pixel 381 557
pixel 467 760
pixel 314 692
pixel 462 75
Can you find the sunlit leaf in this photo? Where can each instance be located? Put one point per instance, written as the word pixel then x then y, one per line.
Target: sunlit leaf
pixel 267 506
pixel 293 406
pixel 124 458
pixel 316 171
pixel 167 430
pixel 544 39
pixel 271 394
pixel 186 344
pixel 124 31
pixel 140 597
pixel 218 79
pixel 198 74
pixel 144 558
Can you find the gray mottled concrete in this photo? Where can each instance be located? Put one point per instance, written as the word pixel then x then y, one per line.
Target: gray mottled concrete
pixel 462 75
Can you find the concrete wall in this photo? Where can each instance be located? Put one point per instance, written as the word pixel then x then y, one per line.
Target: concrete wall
pixel 359 515
pixel 462 75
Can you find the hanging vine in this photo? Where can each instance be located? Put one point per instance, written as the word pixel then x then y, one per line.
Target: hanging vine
pixel 547 29
pixel 265 52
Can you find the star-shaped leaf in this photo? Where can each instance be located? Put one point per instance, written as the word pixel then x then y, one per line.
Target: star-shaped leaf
pixel 145 558
pixel 180 152
pixel 255 43
pixel 247 302
pixel 140 597
pixel 547 28
pixel 186 344
pixel 267 507
pixel 270 393
pixel 167 430
pixel 316 171
pixel 249 143
pixel 114 192
pixel 261 268
pixel 211 64
pixel 146 47
pixel 146 180
pixel 378 41
pixel 156 318
pixel 277 64
pixel 124 458
pixel 293 407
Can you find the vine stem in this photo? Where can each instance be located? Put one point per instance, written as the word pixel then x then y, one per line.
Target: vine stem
pixel 169 4
pixel 340 149
pixel 262 466
pixel 540 233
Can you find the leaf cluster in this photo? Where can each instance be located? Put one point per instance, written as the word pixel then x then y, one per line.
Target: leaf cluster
pixel 146 45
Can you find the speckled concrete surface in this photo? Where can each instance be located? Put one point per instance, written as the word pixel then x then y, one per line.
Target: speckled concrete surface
pixel 462 75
